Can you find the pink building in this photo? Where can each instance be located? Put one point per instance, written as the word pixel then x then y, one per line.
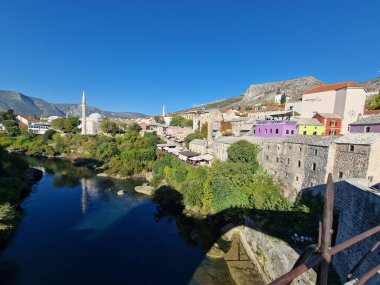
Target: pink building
pixel 278 128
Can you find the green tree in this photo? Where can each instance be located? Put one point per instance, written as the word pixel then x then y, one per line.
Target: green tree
pixel 244 152
pixel 109 127
pixel 159 120
pixel 67 125
pixel 374 102
pixel 8 119
pixel 283 99
pixel 204 130
pixel 133 127
pixel 181 122
pixel 193 136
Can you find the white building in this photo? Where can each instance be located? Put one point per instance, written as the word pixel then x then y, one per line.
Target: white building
pixel 34 126
pixel 345 99
pixel 90 125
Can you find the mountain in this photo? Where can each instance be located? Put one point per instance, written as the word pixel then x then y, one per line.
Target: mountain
pixel 266 92
pixel 373 84
pixel 26 105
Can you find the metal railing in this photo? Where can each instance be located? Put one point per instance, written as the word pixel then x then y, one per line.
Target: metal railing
pixel 320 255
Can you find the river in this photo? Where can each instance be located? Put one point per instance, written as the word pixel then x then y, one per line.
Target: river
pixel 75 229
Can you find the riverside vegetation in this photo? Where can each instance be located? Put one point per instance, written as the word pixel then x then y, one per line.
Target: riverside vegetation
pixel 239 184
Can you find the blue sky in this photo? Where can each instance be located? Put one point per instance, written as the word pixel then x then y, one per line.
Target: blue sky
pixel 138 55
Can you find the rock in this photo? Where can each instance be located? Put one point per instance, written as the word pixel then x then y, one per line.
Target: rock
pixel 86 162
pixel 145 189
pixel 229 230
pixel 163 183
pixel 102 174
pixel 149 176
pixel 120 193
pixel 215 252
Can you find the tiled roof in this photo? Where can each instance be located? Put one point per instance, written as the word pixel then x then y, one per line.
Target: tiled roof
pixel 371 112
pixel 262 140
pixel 331 87
pixel 311 140
pixel 227 140
pixel 308 121
pixel 354 138
pixel 370 120
pixel 330 116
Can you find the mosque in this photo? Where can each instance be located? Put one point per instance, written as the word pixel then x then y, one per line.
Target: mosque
pixel 90 125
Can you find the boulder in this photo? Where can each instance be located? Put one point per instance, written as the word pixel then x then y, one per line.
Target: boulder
pixel 120 193
pixel 145 189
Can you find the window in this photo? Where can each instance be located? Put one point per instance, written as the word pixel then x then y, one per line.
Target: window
pixel 268 147
pixel 267 157
pixel 340 175
pixel 315 152
pixel 314 166
pixel 287 132
pixel 276 131
pixel 271 130
pixel 332 123
pixel 304 132
pixel 332 132
pixel 286 174
pixel 352 147
pixel 292 132
pixel 288 160
pixel 266 131
pixel 299 163
pixel 297 178
pixel 311 184
pixel 367 129
pixel 277 160
pixel 314 133
pixel 300 149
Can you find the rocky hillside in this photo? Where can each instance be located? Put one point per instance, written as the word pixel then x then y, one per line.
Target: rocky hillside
pixel 31 106
pixel 266 92
pixel 373 84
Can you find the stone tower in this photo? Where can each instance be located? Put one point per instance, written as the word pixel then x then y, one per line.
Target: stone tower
pixel 84 121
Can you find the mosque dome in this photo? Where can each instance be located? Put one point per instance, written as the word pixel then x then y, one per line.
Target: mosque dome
pixel 95 116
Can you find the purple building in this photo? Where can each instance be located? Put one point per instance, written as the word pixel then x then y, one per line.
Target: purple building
pixel 369 124
pixel 278 128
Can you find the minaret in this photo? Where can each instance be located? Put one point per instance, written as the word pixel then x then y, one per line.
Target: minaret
pixel 84 123
pixel 163 111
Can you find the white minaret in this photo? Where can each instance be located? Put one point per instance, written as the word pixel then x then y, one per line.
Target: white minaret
pixel 84 122
pixel 163 111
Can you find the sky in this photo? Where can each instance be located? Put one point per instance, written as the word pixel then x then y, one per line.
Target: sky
pixel 138 55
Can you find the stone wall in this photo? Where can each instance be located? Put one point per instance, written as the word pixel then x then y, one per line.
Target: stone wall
pixel 271 256
pixel 358 208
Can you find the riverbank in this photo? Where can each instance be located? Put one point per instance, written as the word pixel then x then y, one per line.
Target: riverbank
pixel 16 181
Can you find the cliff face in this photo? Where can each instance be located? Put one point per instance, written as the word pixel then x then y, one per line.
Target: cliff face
pixel 373 84
pixel 291 88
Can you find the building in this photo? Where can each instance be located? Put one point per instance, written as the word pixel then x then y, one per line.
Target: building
pixel 370 124
pixel 344 99
pixel 2 128
pixel 275 128
pixel 34 126
pixel 310 127
pixel 220 145
pixel 89 125
pixel 237 124
pixel 357 156
pixel 199 146
pixel 331 122
pixel 298 161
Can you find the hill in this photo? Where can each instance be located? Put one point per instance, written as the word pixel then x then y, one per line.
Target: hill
pixel 265 92
pixel 32 106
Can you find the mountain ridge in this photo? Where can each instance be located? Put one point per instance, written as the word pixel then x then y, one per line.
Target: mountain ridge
pixel 33 106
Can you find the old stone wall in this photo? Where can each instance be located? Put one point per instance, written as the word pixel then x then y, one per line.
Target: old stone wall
pixel 271 256
pixel 358 209
pixel 351 161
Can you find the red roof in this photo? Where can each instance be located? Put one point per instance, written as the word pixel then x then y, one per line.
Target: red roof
pixel 30 119
pixel 331 87
pixel 371 112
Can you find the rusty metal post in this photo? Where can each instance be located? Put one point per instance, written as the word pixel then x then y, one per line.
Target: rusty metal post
pixel 327 231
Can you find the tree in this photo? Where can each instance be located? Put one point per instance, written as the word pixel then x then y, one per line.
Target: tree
pixel 9 121
pixel 67 125
pixel 181 122
pixel 109 127
pixel 159 120
pixel 204 130
pixel 193 136
pixel 374 102
pixel 244 152
pixel 133 127
pixel 283 99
